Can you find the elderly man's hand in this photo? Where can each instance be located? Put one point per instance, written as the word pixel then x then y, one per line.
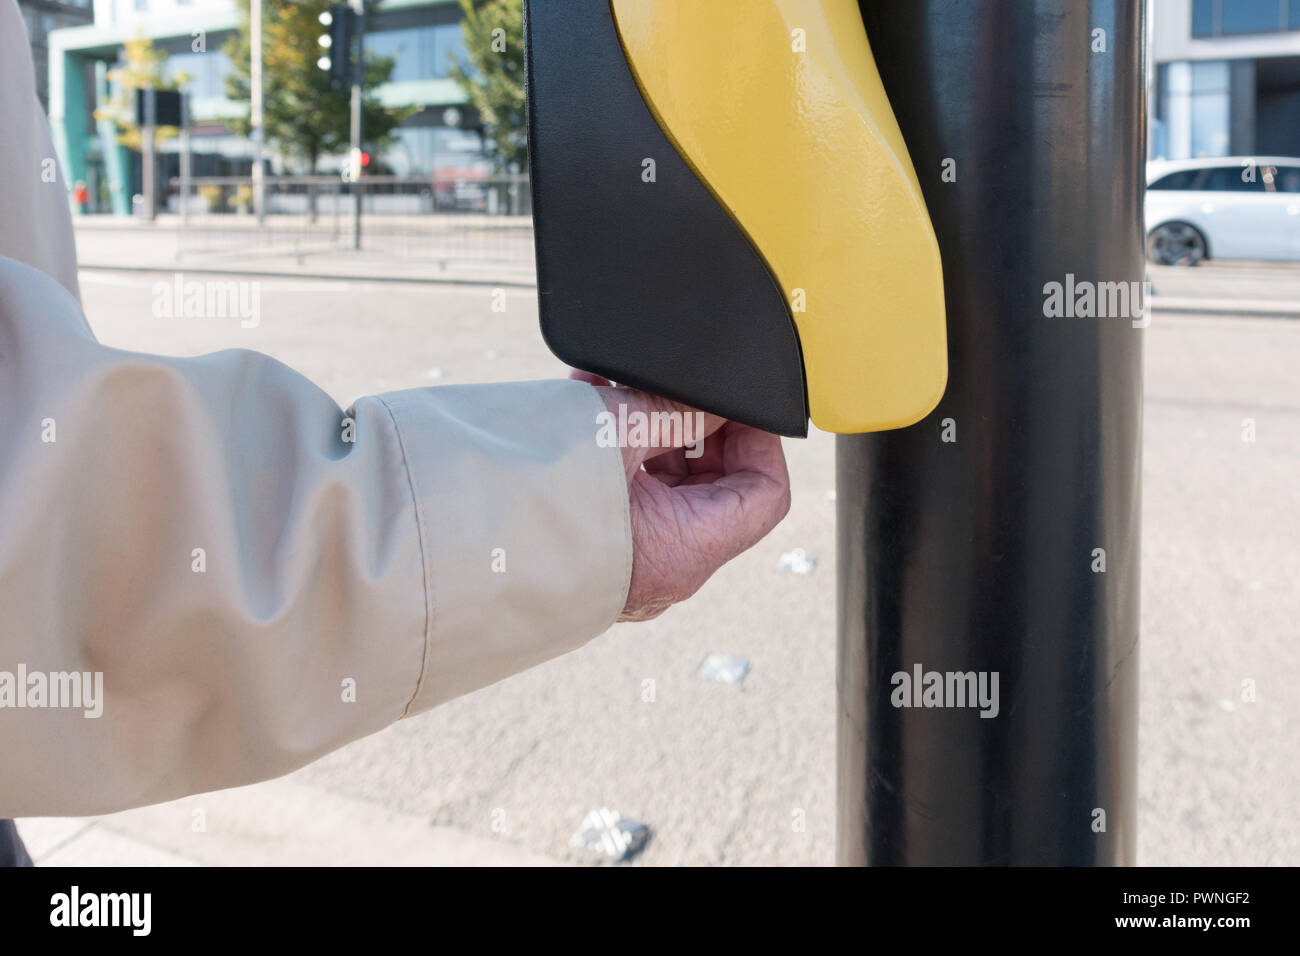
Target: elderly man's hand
pixel 691 514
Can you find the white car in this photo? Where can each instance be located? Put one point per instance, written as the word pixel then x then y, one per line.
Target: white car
pixel 1231 207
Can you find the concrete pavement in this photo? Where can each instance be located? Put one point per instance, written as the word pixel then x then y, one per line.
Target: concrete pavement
pixel 278 823
pixel 742 774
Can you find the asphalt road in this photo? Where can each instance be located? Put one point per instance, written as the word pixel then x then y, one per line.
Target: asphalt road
pixel 721 772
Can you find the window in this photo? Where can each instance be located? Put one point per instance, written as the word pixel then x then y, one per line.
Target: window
pixel 449 42
pixel 1214 18
pixel 1203 18
pixel 420 53
pixel 1183 179
pixel 206 72
pixel 1287 179
pixel 1209 108
pixel 1250 16
pixel 425 150
pixel 1233 179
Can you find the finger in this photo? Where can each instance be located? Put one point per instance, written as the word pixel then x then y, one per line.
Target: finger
pixel 670 467
pixel 671 425
pixel 705 459
pixel 708 456
pixel 675 471
pixel 700 478
pixel 591 378
pixel 751 449
pixel 756 475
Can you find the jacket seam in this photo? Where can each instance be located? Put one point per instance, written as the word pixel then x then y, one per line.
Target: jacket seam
pixel 420 532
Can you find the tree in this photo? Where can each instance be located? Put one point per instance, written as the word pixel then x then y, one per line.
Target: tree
pixel 143 69
pixel 494 77
pixel 305 115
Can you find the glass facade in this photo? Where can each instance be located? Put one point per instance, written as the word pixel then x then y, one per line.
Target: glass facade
pixel 206 72
pixel 40 19
pixel 1250 16
pixel 442 140
pixel 1213 18
pixel 1209 108
pixel 421 52
pixel 1202 18
pixel 1194 109
pixel 421 150
pixel 429 145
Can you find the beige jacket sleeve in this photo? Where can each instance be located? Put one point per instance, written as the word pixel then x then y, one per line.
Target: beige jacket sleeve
pixel 210 574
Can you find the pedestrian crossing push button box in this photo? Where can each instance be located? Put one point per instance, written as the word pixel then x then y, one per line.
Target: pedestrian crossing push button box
pixel 726 214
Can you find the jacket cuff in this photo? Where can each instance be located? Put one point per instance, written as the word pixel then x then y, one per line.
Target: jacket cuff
pixel 523 524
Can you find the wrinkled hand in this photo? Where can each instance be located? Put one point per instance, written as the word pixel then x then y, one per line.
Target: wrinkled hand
pixel 691 515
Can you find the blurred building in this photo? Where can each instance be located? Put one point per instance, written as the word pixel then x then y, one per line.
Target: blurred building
pixel 420 35
pixel 42 16
pixel 1226 78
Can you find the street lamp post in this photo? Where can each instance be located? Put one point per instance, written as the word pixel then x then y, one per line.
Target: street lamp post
pixel 358 80
pixel 256 117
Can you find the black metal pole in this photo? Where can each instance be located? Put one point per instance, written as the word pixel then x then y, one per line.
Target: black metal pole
pixel 1001 534
pixel 358 107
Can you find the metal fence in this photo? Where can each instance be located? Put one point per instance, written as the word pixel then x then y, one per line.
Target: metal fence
pixel 444 221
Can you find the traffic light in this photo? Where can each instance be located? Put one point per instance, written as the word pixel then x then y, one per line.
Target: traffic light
pixel 167 108
pixel 357 162
pixel 340 21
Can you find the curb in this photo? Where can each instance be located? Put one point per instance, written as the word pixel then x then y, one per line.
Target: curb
pixel 328 276
pixel 1271 309
pixel 1261 308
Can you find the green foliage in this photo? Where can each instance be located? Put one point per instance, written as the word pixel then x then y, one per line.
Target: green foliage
pixel 142 70
pixel 494 77
pixel 211 196
pixel 304 114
